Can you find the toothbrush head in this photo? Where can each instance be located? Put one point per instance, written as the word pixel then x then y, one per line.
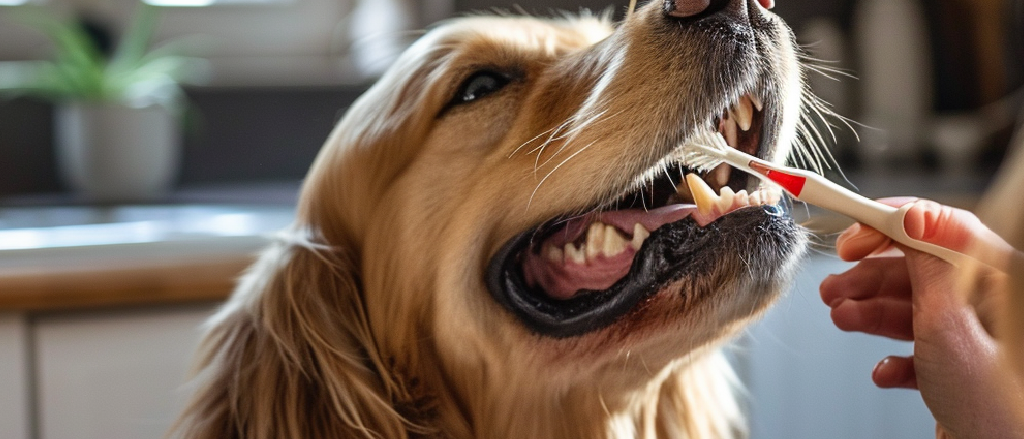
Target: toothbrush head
pixel 705 150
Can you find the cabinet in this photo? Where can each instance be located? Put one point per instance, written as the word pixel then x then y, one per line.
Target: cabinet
pixel 14 377
pixel 96 374
pixel 103 375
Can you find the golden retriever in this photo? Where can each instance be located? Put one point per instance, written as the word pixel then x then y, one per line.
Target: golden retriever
pixel 494 242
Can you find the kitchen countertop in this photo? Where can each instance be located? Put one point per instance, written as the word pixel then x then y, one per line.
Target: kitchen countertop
pixel 81 256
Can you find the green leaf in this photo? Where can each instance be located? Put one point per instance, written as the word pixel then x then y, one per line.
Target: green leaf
pixel 79 71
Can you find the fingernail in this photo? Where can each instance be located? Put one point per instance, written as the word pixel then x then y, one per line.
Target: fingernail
pixel 880 365
pixel 849 233
pixel 861 239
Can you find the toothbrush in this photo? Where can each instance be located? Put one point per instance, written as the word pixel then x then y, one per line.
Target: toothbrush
pixel 709 149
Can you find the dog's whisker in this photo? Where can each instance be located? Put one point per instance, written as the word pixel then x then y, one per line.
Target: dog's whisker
pixel 553 137
pixel 565 139
pixel 534 139
pixel 550 173
pixel 570 135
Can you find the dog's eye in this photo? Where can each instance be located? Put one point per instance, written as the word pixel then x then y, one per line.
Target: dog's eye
pixel 480 84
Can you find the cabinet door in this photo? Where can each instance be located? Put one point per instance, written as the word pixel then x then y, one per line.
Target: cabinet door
pixel 14 377
pixel 114 374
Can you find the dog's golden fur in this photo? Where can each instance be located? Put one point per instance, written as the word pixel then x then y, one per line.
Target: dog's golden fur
pixel 369 318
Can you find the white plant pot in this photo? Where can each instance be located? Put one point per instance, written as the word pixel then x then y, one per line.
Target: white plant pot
pixel 113 153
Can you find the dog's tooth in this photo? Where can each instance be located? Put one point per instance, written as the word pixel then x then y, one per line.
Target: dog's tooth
pixel 574 254
pixel 640 235
pixel 727 197
pixel 554 254
pixel 614 242
pixel 774 195
pixel 595 240
pixel 722 174
pixel 744 113
pixel 755 198
pixel 742 199
pixel 731 134
pixel 703 196
pixel 756 101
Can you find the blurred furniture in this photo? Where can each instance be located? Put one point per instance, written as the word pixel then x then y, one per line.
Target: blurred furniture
pixel 101 309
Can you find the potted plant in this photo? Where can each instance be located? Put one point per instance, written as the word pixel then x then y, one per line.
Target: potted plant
pixel 116 114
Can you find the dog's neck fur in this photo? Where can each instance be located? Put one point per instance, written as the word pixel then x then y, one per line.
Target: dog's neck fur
pixel 693 398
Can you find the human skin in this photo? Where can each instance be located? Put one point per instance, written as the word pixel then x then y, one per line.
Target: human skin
pixel 917 297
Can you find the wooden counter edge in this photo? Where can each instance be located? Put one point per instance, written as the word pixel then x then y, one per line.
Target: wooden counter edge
pixel 169 282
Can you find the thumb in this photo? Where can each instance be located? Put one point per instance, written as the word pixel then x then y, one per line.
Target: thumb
pixel 976 285
pixel 957 230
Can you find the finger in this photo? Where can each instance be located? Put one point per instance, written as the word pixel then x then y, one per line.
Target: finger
pixel 895 373
pixel 892 318
pixel 860 241
pixel 957 230
pixel 946 226
pixel 874 277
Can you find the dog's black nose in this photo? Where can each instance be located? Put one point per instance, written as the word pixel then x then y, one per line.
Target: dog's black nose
pixel 691 8
pixel 686 8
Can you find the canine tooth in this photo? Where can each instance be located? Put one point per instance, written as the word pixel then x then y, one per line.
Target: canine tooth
pixel 731 135
pixel 756 101
pixel 744 113
pixel 614 242
pixel 574 254
pixel 703 196
pixel 554 254
pixel 742 198
pixel 595 240
pixel 727 197
pixel 640 235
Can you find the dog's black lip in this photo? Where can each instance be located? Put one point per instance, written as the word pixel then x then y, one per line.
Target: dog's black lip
pixel 673 252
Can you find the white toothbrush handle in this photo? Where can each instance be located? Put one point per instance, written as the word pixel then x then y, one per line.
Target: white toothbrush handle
pixel 886 219
pixel 823 193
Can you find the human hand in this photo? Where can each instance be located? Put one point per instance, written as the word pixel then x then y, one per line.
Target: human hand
pixel 915 297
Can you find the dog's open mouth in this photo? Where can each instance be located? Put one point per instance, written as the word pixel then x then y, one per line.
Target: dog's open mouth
pixel 578 273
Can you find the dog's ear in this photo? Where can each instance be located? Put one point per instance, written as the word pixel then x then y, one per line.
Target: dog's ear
pixel 291 355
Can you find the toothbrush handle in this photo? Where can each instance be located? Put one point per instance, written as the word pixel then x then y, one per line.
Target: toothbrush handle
pixel 886 219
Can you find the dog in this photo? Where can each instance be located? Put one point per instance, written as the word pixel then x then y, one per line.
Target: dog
pixel 496 241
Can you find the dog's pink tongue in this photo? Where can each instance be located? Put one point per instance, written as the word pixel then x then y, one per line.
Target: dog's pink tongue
pixel 562 280
pixel 562 275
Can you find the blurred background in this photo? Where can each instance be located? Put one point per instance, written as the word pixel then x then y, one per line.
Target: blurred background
pixel 103 289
